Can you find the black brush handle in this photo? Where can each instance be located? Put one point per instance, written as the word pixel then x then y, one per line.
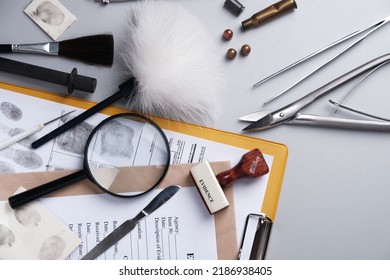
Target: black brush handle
pixel 45 189
pixel 72 80
pixel 5 48
pixel 126 90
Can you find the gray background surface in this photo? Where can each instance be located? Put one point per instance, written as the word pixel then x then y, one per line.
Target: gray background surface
pixel 335 197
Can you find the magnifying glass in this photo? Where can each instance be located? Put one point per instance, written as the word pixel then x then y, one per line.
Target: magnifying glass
pixel 126 155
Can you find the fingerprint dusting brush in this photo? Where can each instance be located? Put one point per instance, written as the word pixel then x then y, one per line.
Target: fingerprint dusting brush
pixel 175 61
pixel 94 49
pixel 172 68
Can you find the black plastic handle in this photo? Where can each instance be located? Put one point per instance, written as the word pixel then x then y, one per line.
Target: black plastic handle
pixel 72 80
pixel 45 189
pixel 126 90
pixel 5 48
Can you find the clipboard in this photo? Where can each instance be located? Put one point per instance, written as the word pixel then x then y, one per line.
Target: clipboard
pixel 276 150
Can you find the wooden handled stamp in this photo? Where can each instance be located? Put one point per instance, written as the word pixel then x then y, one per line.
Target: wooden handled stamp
pixel 252 164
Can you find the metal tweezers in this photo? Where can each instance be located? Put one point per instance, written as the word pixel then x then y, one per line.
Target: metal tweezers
pixel 370 29
pixel 291 114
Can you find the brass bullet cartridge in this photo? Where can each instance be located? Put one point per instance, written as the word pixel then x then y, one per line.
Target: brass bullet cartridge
pixel 269 13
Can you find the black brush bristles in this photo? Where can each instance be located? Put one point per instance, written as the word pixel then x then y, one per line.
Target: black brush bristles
pixel 95 49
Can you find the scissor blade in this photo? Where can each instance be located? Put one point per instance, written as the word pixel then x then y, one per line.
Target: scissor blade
pixel 255 116
pixel 263 123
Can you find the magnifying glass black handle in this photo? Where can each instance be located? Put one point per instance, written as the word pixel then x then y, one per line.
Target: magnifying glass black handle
pixel 45 189
pixel 125 90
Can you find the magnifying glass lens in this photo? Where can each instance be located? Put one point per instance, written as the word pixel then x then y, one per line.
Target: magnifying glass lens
pixel 127 155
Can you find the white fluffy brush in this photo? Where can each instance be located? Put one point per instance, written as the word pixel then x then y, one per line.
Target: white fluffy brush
pixel 175 62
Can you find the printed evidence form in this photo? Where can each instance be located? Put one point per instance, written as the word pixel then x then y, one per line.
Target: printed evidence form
pixel 181 229
pixel 164 235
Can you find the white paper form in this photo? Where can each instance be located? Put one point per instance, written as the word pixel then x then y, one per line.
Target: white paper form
pixel 67 153
pixel 180 229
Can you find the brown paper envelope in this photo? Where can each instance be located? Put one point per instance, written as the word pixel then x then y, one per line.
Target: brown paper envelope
pixel 225 224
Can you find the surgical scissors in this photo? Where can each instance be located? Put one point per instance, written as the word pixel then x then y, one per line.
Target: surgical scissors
pixel 290 113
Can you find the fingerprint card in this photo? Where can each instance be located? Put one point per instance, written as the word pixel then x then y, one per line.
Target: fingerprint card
pixel 31 232
pixel 51 16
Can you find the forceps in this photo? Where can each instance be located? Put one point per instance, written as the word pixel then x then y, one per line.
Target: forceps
pixel 372 28
pixel 291 114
